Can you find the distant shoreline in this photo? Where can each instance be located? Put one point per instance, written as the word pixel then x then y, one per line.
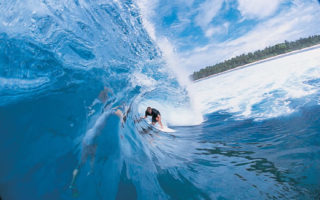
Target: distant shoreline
pixel 261 61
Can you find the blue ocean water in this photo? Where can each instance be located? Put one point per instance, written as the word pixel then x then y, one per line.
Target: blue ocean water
pixel 75 76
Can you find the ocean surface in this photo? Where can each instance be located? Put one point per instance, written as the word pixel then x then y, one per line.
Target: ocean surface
pixel 76 76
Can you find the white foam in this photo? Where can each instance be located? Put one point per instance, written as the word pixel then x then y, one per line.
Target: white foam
pixel 262 90
pixel 142 80
pixel 15 83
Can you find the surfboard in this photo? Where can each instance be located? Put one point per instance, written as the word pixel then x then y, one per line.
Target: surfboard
pixel 165 128
pixel 157 127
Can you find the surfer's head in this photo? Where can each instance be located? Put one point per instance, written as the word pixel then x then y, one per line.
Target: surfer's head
pixel 149 110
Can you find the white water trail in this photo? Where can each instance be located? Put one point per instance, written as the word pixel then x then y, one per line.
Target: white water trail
pixel 15 83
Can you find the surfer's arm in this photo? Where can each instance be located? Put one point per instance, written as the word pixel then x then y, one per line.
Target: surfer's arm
pixel 145 116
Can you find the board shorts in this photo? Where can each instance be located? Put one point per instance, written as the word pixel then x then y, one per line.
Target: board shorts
pixel 154 119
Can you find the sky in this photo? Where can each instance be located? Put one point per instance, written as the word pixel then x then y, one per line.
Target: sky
pixel 193 34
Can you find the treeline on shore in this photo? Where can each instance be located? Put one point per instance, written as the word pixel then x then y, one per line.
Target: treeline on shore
pixel 268 52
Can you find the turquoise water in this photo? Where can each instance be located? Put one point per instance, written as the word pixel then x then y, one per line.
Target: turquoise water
pixel 76 76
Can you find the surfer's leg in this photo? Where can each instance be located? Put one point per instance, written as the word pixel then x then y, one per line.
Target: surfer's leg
pixel 154 120
pixel 159 121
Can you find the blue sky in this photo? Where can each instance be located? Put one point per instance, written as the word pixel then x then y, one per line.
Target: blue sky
pixel 197 33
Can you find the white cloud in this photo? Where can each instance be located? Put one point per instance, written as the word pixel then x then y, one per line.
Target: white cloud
pixel 298 22
pixel 258 8
pixel 207 11
pixel 213 30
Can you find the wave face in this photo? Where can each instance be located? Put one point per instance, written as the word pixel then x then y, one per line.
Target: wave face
pixel 75 76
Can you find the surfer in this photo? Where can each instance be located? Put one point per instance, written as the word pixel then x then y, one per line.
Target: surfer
pixel 156 117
